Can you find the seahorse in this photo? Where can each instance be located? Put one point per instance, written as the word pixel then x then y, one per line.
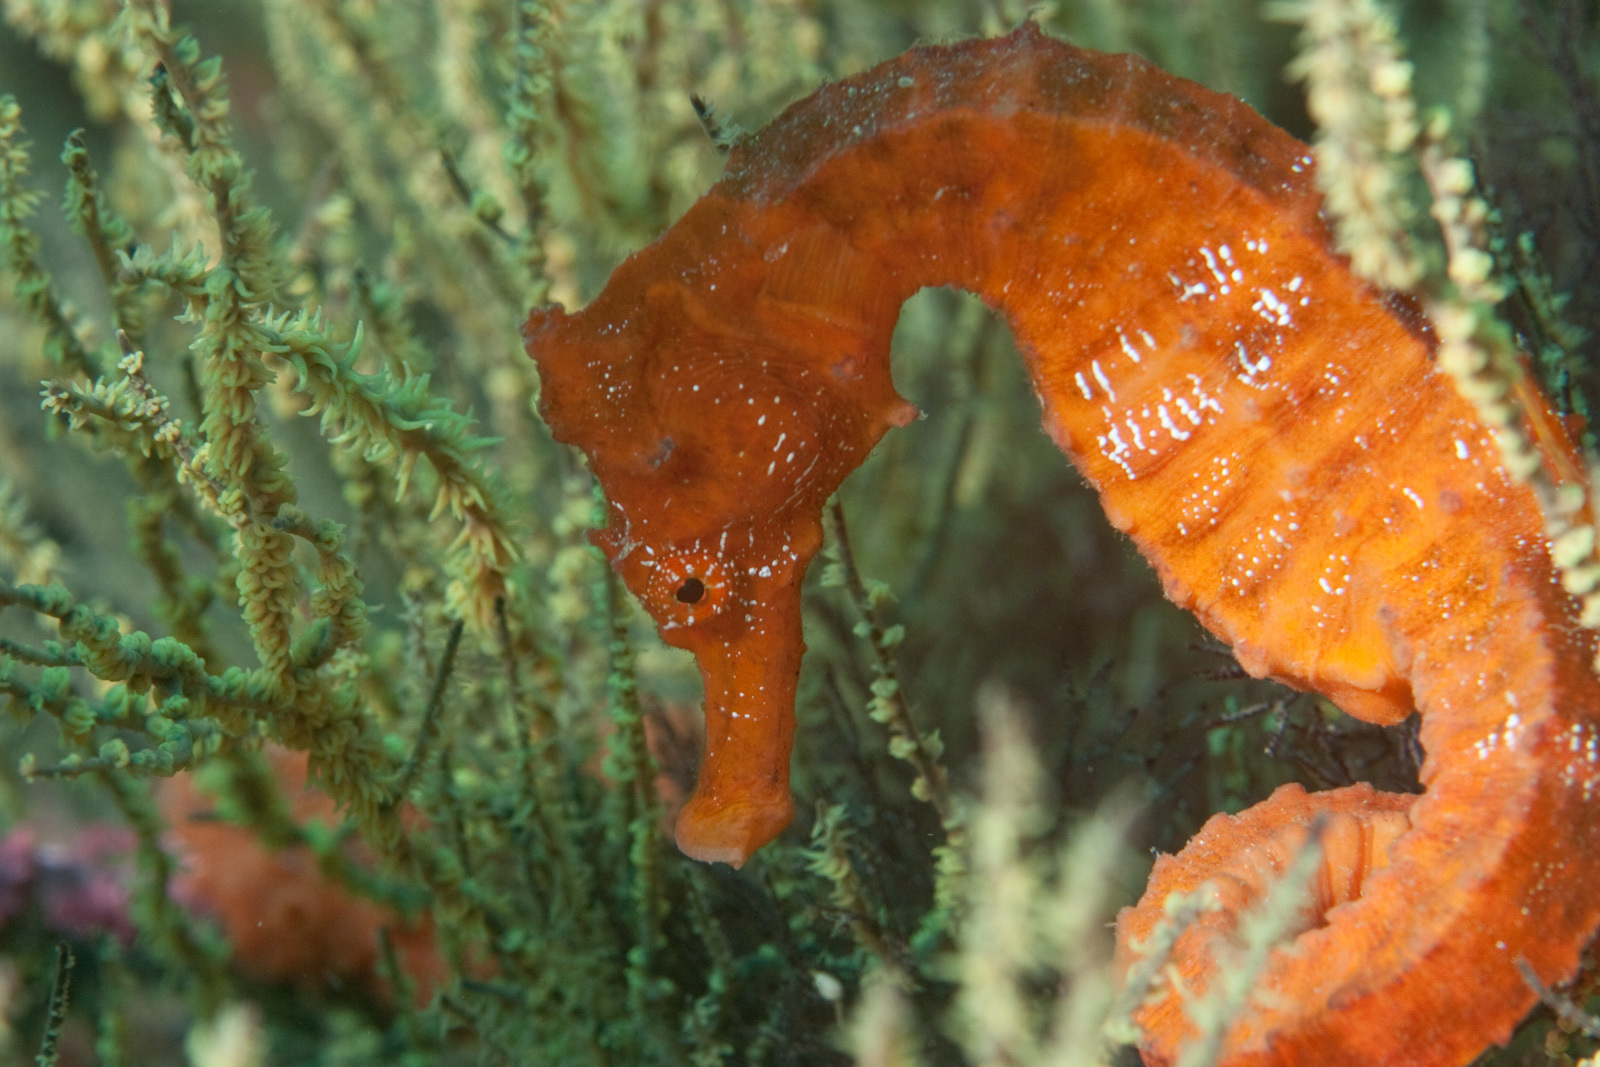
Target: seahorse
pixel 1269 430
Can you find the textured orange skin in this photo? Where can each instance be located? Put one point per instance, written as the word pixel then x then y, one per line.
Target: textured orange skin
pixel 1235 860
pixel 1269 430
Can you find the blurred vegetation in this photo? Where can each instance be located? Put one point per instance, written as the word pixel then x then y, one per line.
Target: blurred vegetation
pixel 287 484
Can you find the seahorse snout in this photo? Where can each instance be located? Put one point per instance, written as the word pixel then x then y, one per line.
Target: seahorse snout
pixel 750 666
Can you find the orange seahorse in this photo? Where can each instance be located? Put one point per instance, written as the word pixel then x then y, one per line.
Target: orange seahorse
pixel 1269 430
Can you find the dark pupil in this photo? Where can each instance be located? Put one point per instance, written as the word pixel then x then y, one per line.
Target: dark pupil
pixel 691 591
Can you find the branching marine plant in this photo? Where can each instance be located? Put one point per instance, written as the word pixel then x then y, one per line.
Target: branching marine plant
pixel 352 226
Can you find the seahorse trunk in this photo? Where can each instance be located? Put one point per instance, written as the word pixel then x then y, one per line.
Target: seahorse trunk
pixel 1268 429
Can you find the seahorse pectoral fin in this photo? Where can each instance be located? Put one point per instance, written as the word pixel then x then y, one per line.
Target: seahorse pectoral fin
pixel 741 800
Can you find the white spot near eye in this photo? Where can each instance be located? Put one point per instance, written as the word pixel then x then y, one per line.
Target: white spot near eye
pixel 1411 495
pixel 762 421
pixel 1461 449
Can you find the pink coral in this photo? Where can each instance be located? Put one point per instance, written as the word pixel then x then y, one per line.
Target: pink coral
pixel 81 887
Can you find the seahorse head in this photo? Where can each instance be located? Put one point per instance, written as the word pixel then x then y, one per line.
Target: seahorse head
pixel 716 455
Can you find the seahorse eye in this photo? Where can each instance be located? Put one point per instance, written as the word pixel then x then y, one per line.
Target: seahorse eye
pixel 686 585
